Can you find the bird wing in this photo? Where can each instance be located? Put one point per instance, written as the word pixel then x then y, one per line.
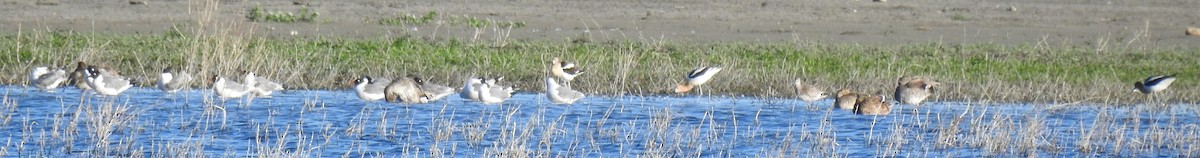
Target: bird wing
pixel 1155 80
pixel 265 84
pixel 568 93
pixel 499 92
pixel 179 82
pixel 51 79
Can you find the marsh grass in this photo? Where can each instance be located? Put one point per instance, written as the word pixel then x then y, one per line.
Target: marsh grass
pixel 987 72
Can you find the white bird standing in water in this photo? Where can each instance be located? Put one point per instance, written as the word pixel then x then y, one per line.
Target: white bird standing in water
pixel 370 89
pixel 696 78
pixel 1154 84
pixel 559 94
pixel 228 89
pixel 172 81
pixel 106 83
pixel 259 86
pixel 47 80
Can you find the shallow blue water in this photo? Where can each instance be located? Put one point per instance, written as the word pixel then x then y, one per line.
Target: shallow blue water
pixel 336 123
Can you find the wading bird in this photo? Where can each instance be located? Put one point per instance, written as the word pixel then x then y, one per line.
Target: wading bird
pixel 913 90
pixel 172 81
pixel 106 83
pixel 872 105
pixel 47 80
pixel 560 94
pixel 370 89
pixel 696 78
pixel 808 93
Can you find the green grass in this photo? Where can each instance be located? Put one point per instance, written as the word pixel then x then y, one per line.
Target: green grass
pixel 258 14
pixel 457 21
pixel 993 72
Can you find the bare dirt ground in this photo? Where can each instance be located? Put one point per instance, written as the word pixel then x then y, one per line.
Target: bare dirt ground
pixel 1149 23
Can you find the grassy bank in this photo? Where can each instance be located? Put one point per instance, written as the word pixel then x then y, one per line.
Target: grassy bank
pixel 1038 72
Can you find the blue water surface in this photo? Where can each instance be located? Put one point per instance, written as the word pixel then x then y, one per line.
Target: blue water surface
pixel 323 123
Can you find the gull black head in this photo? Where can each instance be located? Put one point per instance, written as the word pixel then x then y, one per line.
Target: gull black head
pixel 366 79
pixel 169 69
pixel 91 71
pixel 416 79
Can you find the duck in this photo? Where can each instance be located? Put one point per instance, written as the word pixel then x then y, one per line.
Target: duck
pixel 872 105
pixel 105 83
pixel 697 77
pixel 171 80
pixel 913 90
pixel 370 89
pixel 47 80
pixel 560 94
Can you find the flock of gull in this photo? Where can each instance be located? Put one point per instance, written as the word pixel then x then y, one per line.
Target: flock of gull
pixel 413 89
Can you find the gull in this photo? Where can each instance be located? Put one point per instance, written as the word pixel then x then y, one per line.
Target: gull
pixel 228 89
pixel 172 81
pixel 471 88
pixel 106 83
pixel 431 92
pixel 559 94
pixel 47 80
pixel 259 86
pixel 490 92
pixel 370 89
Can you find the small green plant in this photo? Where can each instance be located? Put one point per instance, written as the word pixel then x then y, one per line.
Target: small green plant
pixel 257 14
pixel 410 19
pixel 959 17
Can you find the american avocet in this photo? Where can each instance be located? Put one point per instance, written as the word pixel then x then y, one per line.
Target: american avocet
pixel 370 89
pixel 566 71
pixel 172 80
pixel 872 104
pixel 808 93
pixel 471 88
pixel 106 83
pixel 845 99
pixel 559 94
pixel 228 89
pixel 47 80
pixel 404 90
pixel 77 77
pixel 431 91
pixel 259 86
pixel 914 89
pixel 1154 84
pixel 696 78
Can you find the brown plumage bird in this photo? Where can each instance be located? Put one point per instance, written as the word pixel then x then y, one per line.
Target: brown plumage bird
pixel 914 89
pixel 872 105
